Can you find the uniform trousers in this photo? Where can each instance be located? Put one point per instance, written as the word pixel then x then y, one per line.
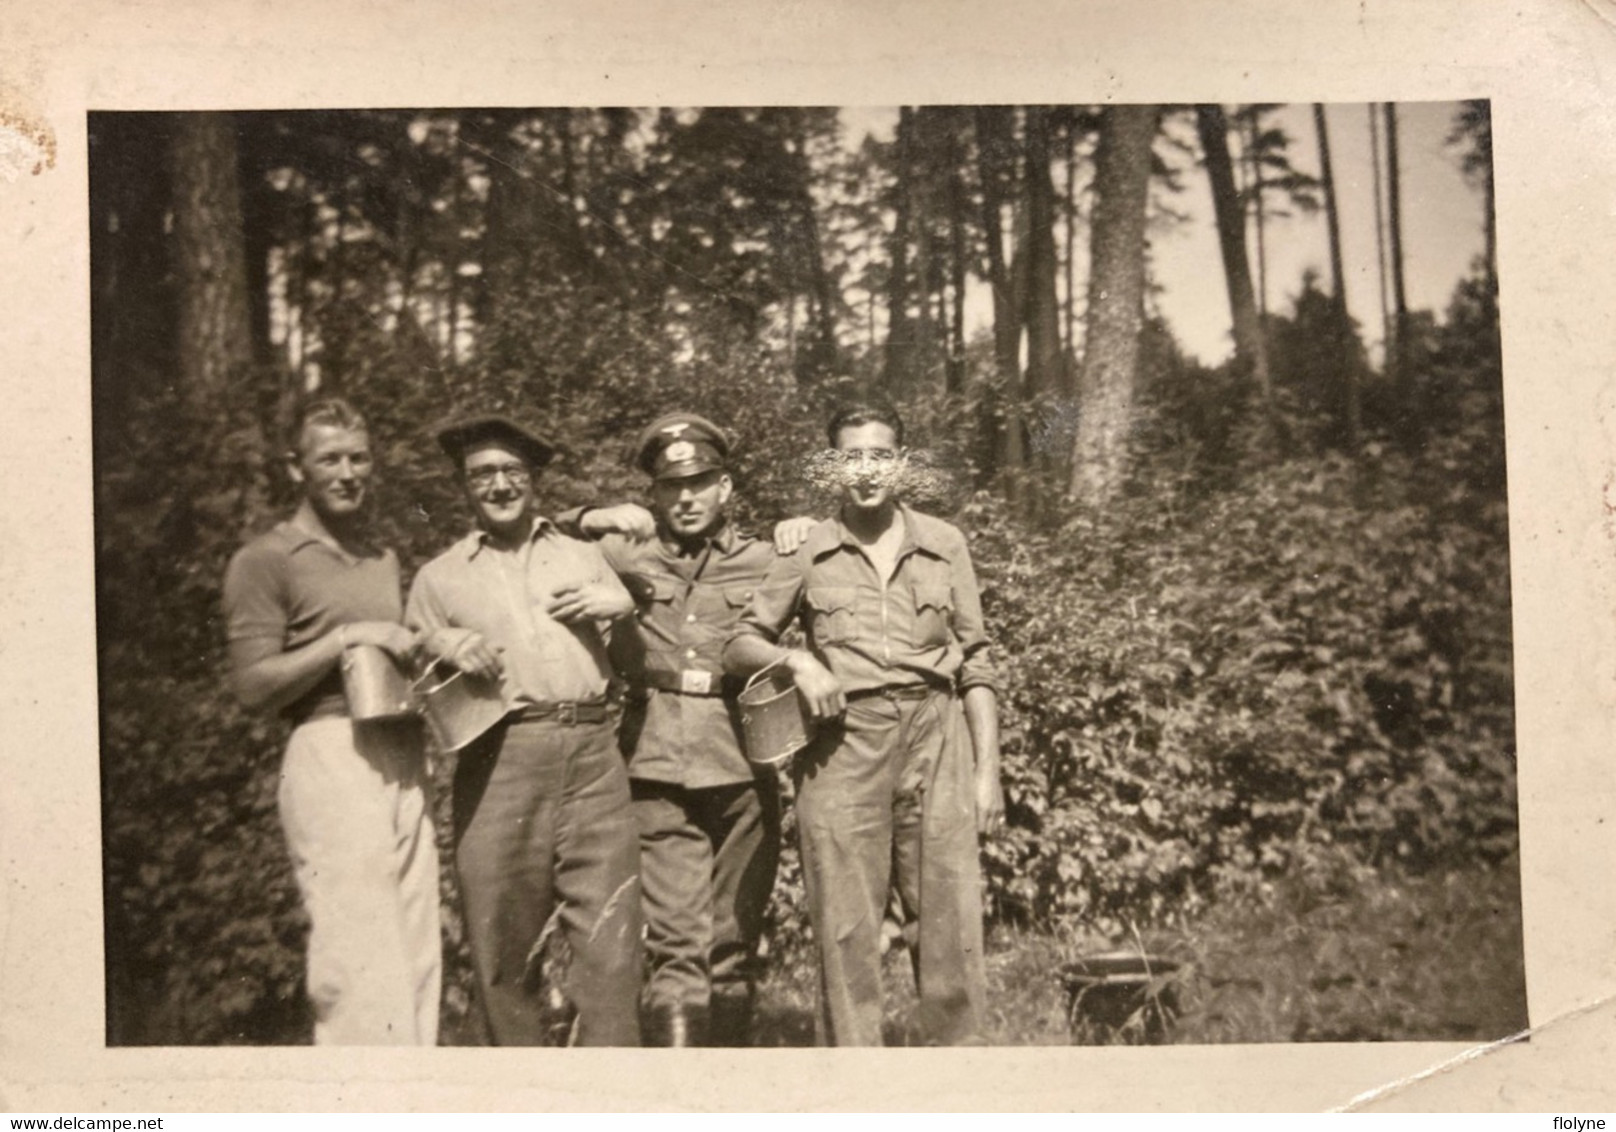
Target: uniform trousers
pixel 356 808
pixel 707 864
pixel 543 826
pixel 889 795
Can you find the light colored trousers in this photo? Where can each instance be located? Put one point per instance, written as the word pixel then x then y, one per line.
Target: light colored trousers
pixel 356 807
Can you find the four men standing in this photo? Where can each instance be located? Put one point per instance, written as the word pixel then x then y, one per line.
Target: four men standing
pixel 901 777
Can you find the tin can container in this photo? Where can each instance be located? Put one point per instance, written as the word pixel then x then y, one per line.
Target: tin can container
pixel 774 721
pixel 458 707
pixel 374 686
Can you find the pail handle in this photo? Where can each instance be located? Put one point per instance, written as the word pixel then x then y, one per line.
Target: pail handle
pixel 756 676
pixel 419 684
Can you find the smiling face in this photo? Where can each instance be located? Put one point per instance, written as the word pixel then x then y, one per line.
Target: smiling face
pixel 499 483
pixel 871 452
pixel 333 466
pixel 692 506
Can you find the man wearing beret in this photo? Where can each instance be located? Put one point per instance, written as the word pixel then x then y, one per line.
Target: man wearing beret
pixel 904 771
pixel 709 823
pixel 542 822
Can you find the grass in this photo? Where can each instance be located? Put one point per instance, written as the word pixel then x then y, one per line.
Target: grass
pixel 1353 956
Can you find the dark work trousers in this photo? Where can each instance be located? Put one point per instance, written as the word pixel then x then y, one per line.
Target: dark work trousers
pixel 707 865
pixel 889 794
pixel 543 821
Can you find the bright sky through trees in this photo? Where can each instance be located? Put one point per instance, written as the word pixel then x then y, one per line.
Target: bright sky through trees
pixel 1442 225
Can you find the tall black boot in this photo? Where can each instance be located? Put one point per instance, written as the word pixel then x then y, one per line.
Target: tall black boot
pixel 731 1018
pixel 675 1027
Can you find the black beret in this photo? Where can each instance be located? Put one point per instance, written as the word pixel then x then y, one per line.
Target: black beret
pixel 458 437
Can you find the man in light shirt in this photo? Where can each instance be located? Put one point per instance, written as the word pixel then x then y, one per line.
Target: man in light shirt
pixel 542 818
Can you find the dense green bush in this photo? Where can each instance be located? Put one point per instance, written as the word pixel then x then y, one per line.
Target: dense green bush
pixel 1204 689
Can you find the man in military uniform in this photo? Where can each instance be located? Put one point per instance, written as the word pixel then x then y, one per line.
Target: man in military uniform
pixel 904 771
pixel 542 823
pixel 709 823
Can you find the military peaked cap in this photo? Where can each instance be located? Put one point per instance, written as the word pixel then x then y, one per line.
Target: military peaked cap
pixel 679 445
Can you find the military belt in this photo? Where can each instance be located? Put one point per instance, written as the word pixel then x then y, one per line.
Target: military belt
pixel 686 682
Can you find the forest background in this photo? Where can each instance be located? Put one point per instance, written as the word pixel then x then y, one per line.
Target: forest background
pixel 1254 616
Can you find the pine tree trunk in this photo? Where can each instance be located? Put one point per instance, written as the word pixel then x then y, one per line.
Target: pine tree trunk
pixel 210 264
pixel 994 125
pixel 899 359
pixel 957 235
pixel 1401 377
pixel 1116 304
pixel 1250 346
pixel 1045 374
pixel 1341 330
pixel 1070 306
pixel 1380 240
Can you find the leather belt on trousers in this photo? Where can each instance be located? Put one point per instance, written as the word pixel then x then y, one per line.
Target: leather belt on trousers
pixel 686 682
pixel 898 692
pixel 565 713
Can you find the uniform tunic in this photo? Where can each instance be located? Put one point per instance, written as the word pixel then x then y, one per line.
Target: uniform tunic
pixel 709 825
pixel 354 799
pixel 887 792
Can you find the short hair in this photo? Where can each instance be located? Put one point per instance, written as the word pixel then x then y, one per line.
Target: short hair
pixel 874 410
pixel 331 412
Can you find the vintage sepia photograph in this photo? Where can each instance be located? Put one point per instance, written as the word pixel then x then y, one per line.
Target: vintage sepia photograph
pixel 776 576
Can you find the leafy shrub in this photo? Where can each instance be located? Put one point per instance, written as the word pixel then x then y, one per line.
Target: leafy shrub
pixel 1205 690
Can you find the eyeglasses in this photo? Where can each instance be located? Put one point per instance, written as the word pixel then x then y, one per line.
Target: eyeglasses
pixel 879 455
pixel 518 475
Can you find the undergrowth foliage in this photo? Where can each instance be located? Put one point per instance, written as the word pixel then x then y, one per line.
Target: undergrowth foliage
pixel 1206 691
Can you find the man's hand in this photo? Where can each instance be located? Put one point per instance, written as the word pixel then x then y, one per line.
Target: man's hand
pixel 789 534
pixel 399 642
pixel 592 601
pixel 466 650
pixel 624 519
pixel 989 799
pixel 820 690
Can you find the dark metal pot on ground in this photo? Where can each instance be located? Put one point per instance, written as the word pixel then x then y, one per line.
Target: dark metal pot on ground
pixel 1129 995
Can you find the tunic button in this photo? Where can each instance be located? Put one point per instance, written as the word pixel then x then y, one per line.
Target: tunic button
pixel 691 653
pixel 690 617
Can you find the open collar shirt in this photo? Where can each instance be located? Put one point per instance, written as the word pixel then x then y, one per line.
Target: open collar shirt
pixel 502 595
pixel 922 625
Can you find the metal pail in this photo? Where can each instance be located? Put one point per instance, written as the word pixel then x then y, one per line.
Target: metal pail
pixel 458 707
pixel 1126 994
pixel 373 685
pixel 774 721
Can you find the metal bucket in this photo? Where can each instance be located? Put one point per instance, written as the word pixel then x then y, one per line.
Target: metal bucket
pixel 1121 994
pixel 774 721
pixel 374 686
pixel 458 707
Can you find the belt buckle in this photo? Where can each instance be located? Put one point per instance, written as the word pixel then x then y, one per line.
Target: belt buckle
pixel 566 713
pixel 694 682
